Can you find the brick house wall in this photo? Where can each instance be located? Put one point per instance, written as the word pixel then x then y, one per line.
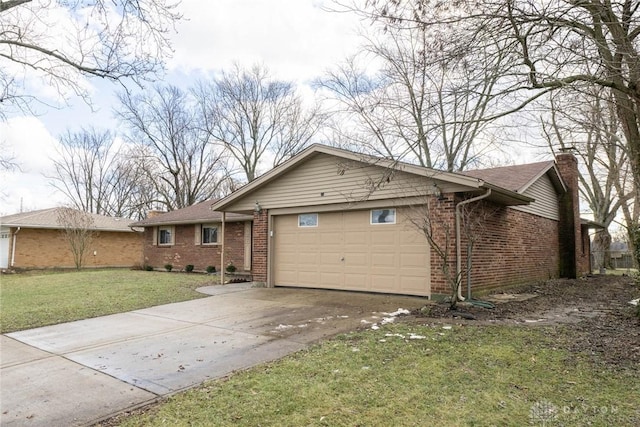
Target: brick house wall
pixel 260 246
pixel 47 248
pixel 511 247
pixel 184 251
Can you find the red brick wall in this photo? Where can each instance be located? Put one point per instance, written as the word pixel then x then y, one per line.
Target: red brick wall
pixel 47 248
pixel 511 247
pixel 184 251
pixel 260 246
pixel 574 261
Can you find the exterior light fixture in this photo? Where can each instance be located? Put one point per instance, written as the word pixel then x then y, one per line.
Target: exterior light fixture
pixel 438 192
pixel 258 208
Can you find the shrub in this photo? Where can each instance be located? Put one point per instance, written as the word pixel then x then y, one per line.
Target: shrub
pixel 211 269
pixel 148 267
pixel 231 268
pixel 188 268
pixel 168 267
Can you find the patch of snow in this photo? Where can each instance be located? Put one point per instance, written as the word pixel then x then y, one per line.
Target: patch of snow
pixel 416 337
pixel 386 320
pixel 304 325
pixel 382 340
pixel 365 322
pixel 635 302
pixel 398 312
pixel 355 349
pixel 375 327
pixel 366 368
pixel 447 327
pixel 343 317
pixel 282 327
pixel 394 335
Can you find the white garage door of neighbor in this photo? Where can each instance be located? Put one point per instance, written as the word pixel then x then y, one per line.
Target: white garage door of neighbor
pixel 345 251
pixel 4 248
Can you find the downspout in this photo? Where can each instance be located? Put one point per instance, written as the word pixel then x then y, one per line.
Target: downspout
pixel 222 268
pixel 13 248
pixel 459 238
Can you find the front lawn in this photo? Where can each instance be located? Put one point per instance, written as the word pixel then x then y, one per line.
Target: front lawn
pixel 417 375
pixel 34 299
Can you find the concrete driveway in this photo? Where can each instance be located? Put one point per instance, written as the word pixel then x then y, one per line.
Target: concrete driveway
pixel 80 372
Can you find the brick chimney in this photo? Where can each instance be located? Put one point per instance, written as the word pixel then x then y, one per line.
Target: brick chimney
pixel 569 226
pixel 154 213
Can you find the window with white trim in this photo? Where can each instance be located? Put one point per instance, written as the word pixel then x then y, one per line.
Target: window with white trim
pixel 165 235
pixel 308 220
pixel 209 234
pixel 383 216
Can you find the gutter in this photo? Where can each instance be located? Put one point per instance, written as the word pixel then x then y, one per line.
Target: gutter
pixel 459 238
pixel 13 247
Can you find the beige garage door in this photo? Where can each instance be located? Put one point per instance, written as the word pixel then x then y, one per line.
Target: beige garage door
pixel 345 251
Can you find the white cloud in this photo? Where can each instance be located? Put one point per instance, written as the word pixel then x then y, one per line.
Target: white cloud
pixel 32 146
pixel 296 39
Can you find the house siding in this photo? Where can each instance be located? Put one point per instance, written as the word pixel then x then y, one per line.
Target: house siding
pixel 185 251
pixel 47 248
pixel 546 199
pixel 325 179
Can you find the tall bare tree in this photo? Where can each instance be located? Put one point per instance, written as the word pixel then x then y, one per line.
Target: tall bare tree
pixel 62 41
pixel 99 177
pixel 422 106
pixel 552 45
pixel 586 123
pixel 174 151
pixel 260 120
pixel 78 229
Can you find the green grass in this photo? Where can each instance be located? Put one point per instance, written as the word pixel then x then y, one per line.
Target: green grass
pixel 466 376
pixel 43 298
pixel 618 271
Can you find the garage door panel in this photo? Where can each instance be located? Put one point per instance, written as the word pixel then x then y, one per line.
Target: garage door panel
pixel 412 260
pixel 385 259
pixel 345 251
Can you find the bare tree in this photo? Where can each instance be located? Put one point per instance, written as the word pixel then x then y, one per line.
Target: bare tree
pixel 552 45
pixel 258 119
pixel 98 176
pixel 422 106
pixel 432 217
pixel 78 229
pixel 61 42
pixel 586 123
pixel 174 151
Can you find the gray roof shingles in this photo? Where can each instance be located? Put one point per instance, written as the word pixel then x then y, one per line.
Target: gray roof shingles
pixel 194 214
pixel 513 178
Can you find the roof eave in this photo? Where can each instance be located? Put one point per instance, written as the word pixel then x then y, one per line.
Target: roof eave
pixel 507 197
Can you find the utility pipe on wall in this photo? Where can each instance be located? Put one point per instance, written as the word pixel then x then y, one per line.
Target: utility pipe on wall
pixel 459 238
pixel 13 247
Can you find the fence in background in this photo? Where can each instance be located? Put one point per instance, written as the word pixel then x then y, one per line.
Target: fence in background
pixel 617 260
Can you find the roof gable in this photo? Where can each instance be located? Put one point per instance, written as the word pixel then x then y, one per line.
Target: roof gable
pixel 459 181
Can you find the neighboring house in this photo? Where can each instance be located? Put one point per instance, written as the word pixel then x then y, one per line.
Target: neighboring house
pixel 33 240
pixel 193 235
pixel 334 219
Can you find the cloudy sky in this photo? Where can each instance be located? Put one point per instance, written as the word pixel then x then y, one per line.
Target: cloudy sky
pixel 296 39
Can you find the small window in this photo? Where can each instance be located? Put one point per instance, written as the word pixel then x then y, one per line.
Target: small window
pixel 383 216
pixel 308 220
pixel 209 234
pixel 165 235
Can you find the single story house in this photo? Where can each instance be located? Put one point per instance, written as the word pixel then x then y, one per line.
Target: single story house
pixel 194 236
pixel 335 219
pixel 33 240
